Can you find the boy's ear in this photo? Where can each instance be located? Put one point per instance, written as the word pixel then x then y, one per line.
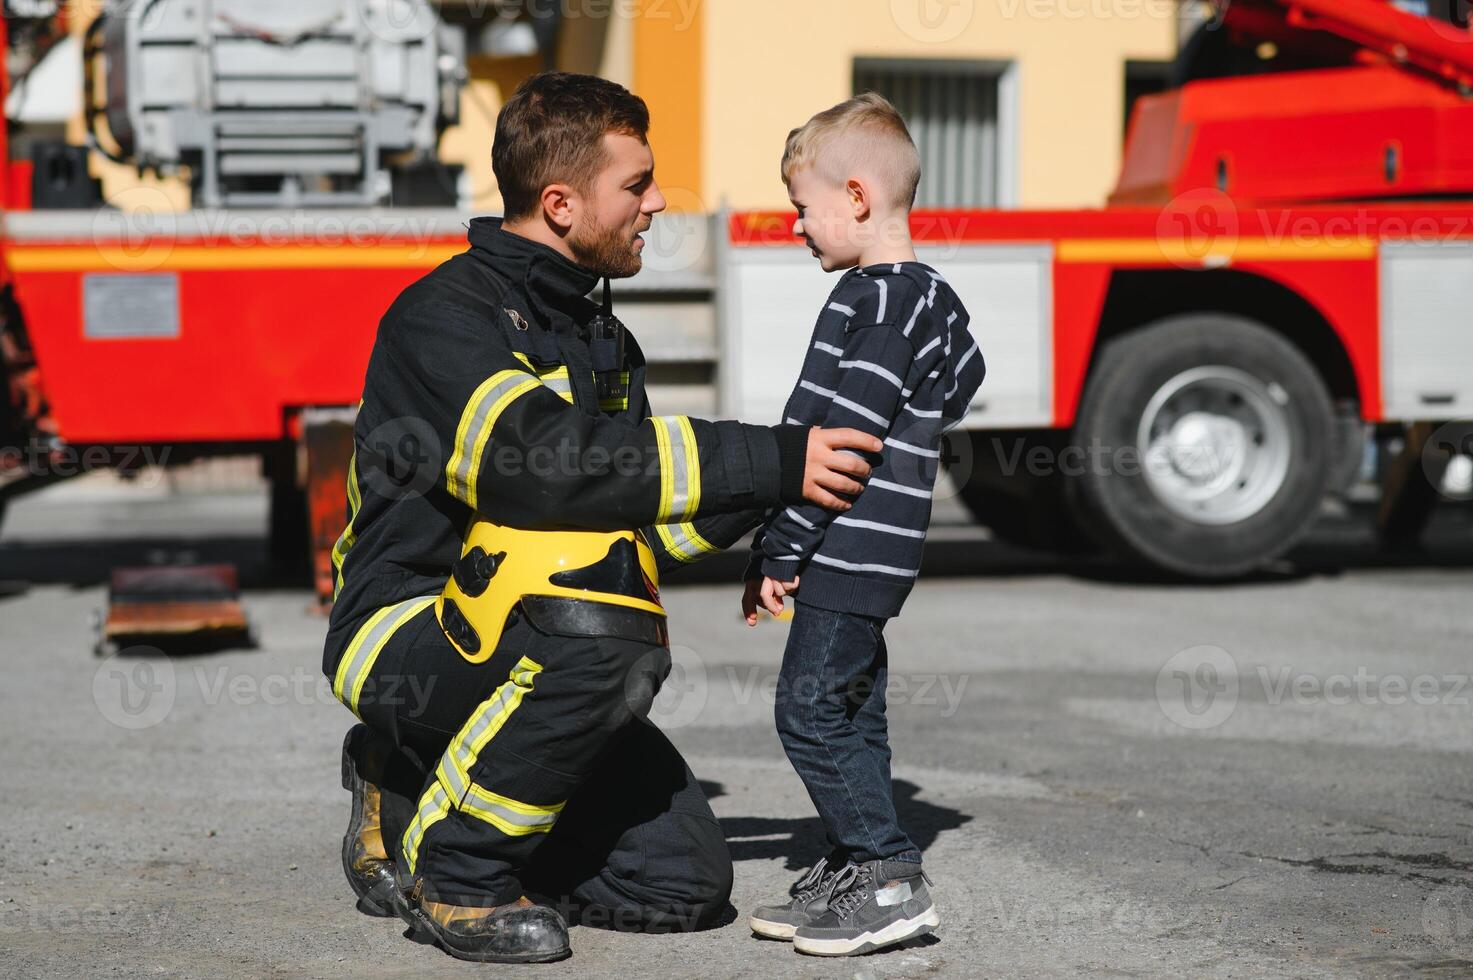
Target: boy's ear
pixel 858 198
pixel 558 206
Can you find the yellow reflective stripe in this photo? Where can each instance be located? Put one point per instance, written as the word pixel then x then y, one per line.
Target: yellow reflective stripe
pixel 667 474
pixel 692 466
pixel 680 469
pixel 684 542
pixel 452 785
pixel 671 548
pixel 367 643
pixel 433 807
pixel 488 719
pixel 347 539
pixel 559 375
pixel 511 817
pixel 473 433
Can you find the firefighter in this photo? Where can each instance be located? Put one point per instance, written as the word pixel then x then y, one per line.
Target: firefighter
pixel 497 626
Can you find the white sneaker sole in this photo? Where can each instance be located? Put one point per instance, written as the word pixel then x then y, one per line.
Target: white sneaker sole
pixel 867 942
pixel 771 930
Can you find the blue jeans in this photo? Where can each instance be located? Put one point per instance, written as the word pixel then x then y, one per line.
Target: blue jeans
pixel 831 720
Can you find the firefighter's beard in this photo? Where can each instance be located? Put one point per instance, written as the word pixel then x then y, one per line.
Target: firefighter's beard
pixel 609 252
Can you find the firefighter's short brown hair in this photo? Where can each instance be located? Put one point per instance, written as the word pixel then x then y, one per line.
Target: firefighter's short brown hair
pixel 862 133
pixel 551 132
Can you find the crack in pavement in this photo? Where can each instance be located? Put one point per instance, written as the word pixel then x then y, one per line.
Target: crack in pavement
pixel 1326 863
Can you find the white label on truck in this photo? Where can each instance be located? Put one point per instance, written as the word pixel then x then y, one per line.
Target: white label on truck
pixel 130 305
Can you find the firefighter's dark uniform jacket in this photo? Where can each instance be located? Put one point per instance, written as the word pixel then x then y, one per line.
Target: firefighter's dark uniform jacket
pixel 480 398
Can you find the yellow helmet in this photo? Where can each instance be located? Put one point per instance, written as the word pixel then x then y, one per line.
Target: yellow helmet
pixel 499 566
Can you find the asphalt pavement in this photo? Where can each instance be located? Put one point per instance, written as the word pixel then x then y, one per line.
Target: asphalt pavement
pixel 1110 774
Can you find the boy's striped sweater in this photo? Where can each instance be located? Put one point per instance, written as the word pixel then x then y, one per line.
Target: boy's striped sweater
pixel 891 355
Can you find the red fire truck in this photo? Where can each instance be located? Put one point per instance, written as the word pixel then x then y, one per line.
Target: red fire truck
pixel 1181 376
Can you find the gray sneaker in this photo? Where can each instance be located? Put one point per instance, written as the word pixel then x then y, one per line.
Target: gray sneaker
pixel 810 900
pixel 873 905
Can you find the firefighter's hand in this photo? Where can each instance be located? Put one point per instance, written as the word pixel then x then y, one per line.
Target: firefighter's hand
pixel 831 470
pixel 772 592
pixel 751 592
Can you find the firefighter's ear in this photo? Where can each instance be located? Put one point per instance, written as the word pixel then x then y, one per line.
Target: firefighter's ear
pixel 558 206
pixel 858 195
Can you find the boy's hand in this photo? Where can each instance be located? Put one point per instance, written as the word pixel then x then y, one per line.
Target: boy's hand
pixel 773 592
pixel 831 470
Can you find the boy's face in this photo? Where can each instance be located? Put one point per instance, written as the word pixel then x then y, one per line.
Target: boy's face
pixel 826 218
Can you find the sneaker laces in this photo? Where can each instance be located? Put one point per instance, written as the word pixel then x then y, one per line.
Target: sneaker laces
pixel 818 880
pixel 850 889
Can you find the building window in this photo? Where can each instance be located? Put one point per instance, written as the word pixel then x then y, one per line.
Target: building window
pixel 959 115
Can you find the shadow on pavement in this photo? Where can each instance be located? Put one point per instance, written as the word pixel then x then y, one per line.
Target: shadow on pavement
pixel 800 841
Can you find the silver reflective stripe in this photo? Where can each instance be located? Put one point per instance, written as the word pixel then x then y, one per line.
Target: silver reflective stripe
pixel 475 428
pixel 433 807
pixel 449 775
pixel 487 714
pixel 828 348
pixel 369 641
pixel 884 292
pixel 680 474
pixel 682 542
pixel 841 308
pixel 496 807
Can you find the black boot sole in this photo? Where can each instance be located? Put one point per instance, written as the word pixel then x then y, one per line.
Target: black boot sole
pixel 377 899
pixel 425 930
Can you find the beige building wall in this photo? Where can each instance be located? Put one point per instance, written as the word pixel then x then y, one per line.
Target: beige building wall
pixel 772 63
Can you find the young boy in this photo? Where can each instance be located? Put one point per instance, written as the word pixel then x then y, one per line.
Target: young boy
pixel 890 355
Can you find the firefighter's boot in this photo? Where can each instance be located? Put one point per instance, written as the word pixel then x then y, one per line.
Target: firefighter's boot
pixel 366 861
pixel 517 932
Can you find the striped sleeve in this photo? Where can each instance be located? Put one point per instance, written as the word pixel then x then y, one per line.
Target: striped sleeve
pixel 873 377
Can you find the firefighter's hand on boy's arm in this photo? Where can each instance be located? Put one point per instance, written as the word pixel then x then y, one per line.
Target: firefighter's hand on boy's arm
pixel 830 469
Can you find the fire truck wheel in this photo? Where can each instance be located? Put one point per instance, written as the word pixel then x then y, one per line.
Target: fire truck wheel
pixel 1216 443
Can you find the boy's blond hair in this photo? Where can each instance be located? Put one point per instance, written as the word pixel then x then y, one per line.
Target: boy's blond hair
pixel 866 133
